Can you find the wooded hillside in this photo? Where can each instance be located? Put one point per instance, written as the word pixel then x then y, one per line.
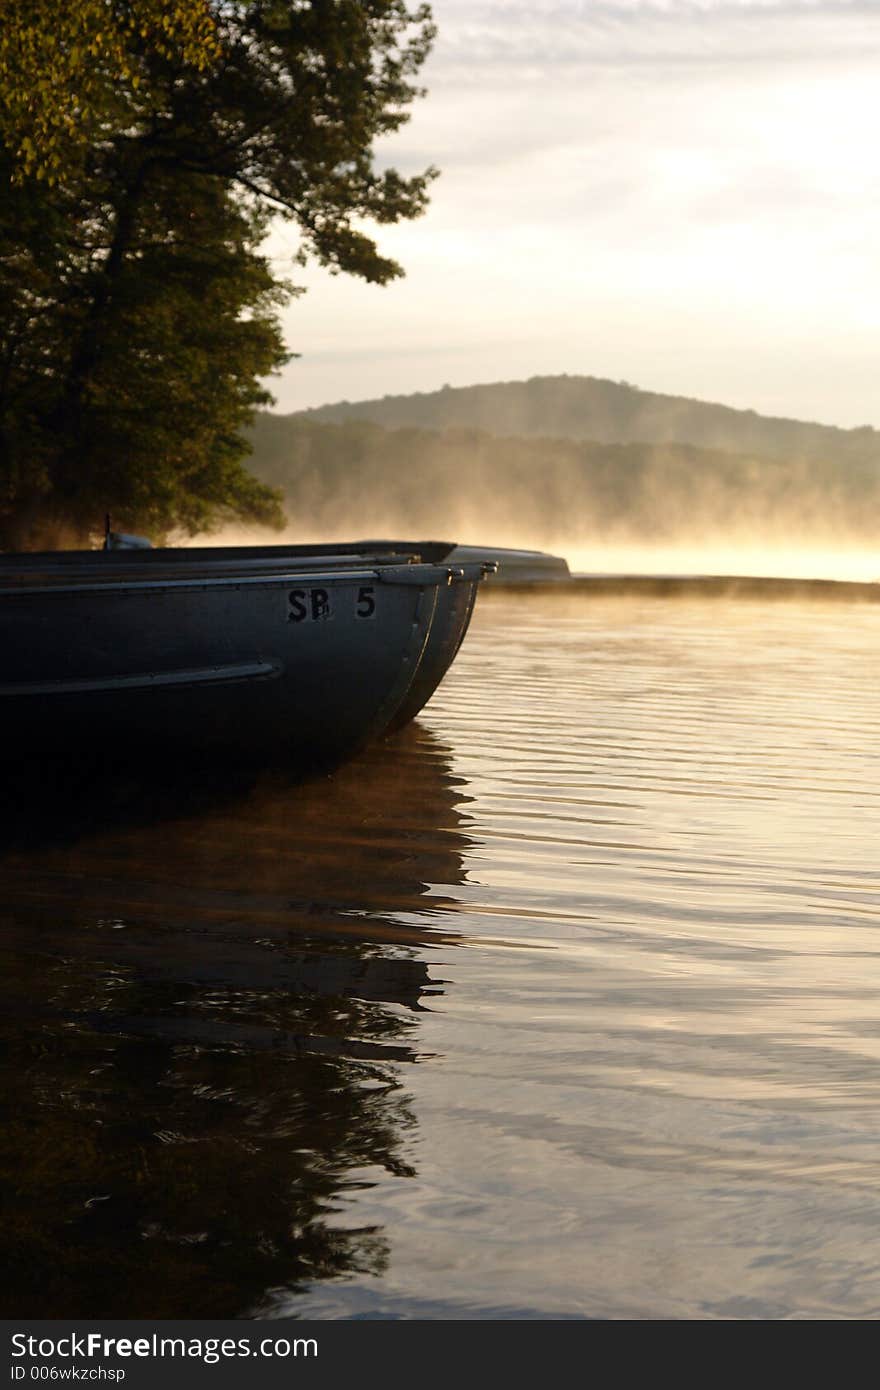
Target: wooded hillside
pixel 469 483
pixel 609 412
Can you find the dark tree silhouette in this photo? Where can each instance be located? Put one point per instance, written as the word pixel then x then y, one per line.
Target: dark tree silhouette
pixel 138 314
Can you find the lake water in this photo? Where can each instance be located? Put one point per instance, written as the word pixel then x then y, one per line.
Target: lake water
pixel 566 1003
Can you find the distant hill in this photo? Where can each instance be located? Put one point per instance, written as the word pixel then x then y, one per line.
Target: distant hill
pixel 606 412
pixel 357 477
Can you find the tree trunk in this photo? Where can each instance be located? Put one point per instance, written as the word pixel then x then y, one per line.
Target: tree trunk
pixel 70 474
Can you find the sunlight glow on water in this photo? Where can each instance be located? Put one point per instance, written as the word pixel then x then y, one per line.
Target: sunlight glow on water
pixel 565 1003
pixel 665 1102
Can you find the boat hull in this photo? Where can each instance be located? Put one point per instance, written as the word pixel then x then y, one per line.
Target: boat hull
pixel 285 663
pixel 452 616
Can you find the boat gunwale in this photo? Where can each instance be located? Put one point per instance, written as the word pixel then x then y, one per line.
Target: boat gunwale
pixel 414 575
pixel 122 585
pixel 342 552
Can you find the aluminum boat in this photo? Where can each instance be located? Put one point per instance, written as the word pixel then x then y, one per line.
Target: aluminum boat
pixel 290 653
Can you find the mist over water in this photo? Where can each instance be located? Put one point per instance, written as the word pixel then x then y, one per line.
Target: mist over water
pixel 721 555
pixel 858 563
pixel 614 478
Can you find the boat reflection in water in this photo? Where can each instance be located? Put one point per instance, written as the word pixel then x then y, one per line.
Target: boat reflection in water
pixel 208 1012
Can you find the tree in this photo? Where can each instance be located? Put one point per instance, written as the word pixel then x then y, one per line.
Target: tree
pixel 138 313
pixel 66 69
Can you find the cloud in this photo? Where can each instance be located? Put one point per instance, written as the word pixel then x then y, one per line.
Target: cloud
pixel 479 38
pixel 682 193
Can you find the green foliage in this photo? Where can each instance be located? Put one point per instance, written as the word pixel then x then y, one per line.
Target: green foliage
pixel 68 71
pixel 291 113
pixel 133 400
pixel 137 315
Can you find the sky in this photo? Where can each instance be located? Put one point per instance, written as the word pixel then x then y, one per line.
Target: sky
pixel 682 194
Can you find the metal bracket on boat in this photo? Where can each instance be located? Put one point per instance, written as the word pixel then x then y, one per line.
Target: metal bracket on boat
pixel 420 575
